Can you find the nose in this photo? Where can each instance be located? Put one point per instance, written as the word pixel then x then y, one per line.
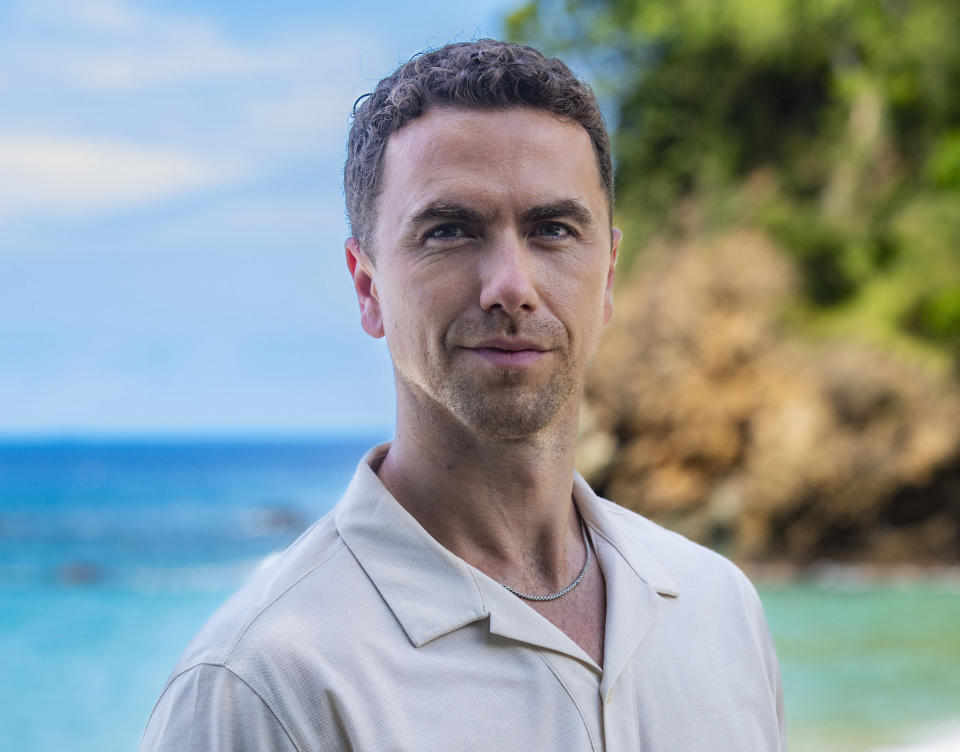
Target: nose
pixel 507 277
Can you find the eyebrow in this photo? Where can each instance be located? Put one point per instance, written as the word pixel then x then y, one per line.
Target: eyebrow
pixel 453 212
pixel 445 211
pixel 571 208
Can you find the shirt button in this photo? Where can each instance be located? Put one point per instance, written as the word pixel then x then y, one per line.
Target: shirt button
pixel 609 695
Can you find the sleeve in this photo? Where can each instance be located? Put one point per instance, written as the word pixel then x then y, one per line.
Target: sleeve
pixel 208 708
pixel 773 676
pixel 768 652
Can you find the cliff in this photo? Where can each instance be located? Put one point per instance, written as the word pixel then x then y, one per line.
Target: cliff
pixel 704 412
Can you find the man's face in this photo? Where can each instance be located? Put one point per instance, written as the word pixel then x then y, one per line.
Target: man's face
pixel 491 267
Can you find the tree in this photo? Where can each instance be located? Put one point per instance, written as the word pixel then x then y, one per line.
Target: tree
pixel 833 124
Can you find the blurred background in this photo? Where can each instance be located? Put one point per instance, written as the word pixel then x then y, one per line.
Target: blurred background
pixel 184 385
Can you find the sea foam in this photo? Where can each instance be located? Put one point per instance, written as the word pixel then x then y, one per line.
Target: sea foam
pixel 947 739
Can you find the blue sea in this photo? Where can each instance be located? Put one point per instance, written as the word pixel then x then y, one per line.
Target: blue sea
pixel 113 554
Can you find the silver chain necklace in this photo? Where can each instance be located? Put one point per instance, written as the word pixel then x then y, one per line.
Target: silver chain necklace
pixel 568 588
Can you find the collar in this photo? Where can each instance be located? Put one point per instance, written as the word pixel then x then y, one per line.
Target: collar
pixel 636 582
pixel 601 517
pixel 432 592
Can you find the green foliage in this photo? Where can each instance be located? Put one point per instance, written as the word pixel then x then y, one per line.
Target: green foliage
pixel 937 315
pixel 943 164
pixel 846 113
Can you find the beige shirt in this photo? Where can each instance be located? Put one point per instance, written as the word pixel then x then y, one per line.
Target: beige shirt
pixel 366 634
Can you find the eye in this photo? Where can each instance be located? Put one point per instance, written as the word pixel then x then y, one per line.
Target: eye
pixel 446 232
pixel 556 230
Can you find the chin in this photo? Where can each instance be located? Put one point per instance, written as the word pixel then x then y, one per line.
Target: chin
pixel 508 407
pixel 508 416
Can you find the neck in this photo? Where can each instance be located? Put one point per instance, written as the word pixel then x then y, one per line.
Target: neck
pixel 502 504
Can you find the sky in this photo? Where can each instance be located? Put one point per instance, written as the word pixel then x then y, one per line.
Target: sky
pixel 171 212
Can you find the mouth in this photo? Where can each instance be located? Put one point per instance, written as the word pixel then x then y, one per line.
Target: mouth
pixel 509 353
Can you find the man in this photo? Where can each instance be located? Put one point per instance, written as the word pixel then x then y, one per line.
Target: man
pixel 470 592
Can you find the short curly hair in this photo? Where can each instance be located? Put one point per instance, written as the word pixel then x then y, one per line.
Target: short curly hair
pixel 486 74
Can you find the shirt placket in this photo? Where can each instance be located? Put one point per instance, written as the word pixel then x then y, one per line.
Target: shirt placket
pixel 620 715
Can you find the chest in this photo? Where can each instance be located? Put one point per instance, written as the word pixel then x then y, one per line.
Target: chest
pixel 474 690
pixel 580 614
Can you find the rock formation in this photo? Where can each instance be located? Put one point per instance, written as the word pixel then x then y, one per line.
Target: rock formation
pixel 704 414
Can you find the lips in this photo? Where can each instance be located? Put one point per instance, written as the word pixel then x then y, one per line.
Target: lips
pixel 509 353
pixel 509 345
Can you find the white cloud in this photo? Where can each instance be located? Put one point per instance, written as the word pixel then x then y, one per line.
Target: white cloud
pixel 97 15
pixel 108 45
pixel 127 69
pixel 130 98
pixel 74 176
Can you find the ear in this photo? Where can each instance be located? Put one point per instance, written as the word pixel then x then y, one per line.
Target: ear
pixel 361 269
pixel 617 236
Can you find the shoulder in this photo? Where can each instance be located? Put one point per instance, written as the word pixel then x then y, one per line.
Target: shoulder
pixel 202 700
pixel 277 593
pixel 266 657
pixel 206 692
pixel 241 668
pixel 714 597
pixel 699 573
pixel 712 611
pixel 682 556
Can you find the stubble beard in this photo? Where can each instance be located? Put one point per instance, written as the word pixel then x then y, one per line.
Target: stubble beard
pixel 509 406
pixel 502 403
pixel 510 403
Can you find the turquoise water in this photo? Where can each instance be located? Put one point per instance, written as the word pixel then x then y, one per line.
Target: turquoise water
pixel 82 667
pixel 113 555
pixel 866 666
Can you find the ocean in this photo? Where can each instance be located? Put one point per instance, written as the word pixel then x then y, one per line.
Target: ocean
pixel 113 554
